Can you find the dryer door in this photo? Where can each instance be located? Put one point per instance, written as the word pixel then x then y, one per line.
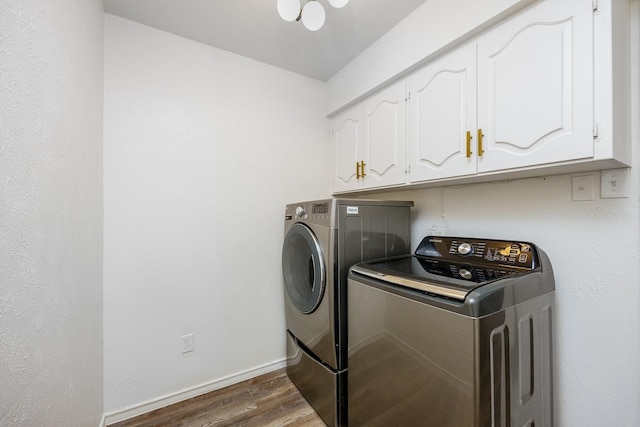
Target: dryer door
pixel 303 268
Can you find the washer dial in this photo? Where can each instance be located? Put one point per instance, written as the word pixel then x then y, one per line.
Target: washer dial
pixel 465 249
pixel 465 274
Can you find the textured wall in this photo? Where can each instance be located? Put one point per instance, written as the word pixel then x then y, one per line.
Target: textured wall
pixel 51 213
pixel 203 149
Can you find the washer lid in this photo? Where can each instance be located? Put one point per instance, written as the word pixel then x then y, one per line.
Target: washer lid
pixel 452 280
pixel 454 267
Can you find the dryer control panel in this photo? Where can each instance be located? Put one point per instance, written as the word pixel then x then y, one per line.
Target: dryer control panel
pixel 317 212
pixel 488 252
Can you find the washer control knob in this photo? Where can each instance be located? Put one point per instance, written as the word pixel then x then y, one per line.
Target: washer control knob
pixel 300 211
pixel 465 274
pixel 465 249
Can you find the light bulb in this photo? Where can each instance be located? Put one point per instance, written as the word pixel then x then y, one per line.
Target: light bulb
pixel 289 10
pixel 313 15
pixel 338 3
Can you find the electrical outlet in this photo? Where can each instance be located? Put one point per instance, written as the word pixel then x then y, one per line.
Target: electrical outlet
pixel 187 343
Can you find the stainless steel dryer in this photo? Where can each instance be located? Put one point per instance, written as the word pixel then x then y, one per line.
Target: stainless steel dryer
pixel 322 240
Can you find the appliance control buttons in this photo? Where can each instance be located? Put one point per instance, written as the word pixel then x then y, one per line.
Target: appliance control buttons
pixel 300 211
pixel 465 274
pixel 465 249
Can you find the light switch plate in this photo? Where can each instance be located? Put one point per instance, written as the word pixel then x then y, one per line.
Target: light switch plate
pixel 614 184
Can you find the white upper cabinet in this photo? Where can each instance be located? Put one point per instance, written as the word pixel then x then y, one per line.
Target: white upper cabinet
pixel 384 137
pixel 346 143
pixel 544 92
pixel 442 116
pixel 535 87
pixel 369 142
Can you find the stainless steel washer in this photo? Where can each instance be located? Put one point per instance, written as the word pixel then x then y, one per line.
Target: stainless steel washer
pixel 458 334
pixel 322 240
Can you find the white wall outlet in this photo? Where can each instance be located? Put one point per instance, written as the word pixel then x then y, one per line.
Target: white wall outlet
pixel 582 187
pixel 614 183
pixel 187 343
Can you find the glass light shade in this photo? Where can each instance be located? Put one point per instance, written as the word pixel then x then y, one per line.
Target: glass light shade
pixel 338 3
pixel 313 16
pixel 289 10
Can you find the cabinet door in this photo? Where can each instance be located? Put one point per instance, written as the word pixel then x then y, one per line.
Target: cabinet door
pixel 442 109
pixel 346 135
pixel 384 137
pixel 535 94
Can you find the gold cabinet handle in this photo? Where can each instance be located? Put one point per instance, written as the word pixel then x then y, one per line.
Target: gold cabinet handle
pixel 363 164
pixel 469 138
pixel 357 170
pixel 480 136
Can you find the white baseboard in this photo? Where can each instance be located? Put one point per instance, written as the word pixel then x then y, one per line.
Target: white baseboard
pixel 161 402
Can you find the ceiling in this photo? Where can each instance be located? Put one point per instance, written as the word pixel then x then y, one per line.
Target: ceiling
pixel 253 28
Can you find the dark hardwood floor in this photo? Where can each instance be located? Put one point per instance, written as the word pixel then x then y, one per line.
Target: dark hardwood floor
pixel 267 400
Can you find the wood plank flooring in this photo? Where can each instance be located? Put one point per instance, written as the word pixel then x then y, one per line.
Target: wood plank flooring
pixel 268 400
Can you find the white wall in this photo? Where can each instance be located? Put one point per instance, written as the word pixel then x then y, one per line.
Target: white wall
pixel 202 151
pixel 594 247
pixel 51 65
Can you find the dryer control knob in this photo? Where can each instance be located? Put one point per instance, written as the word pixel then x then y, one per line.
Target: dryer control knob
pixel 300 211
pixel 465 249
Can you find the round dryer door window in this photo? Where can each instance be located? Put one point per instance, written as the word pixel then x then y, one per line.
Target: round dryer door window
pixel 303 268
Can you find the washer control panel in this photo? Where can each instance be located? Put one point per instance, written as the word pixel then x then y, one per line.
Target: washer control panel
pixel 521 255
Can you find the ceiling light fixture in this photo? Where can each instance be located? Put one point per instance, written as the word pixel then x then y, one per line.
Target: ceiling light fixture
pixel 312 14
